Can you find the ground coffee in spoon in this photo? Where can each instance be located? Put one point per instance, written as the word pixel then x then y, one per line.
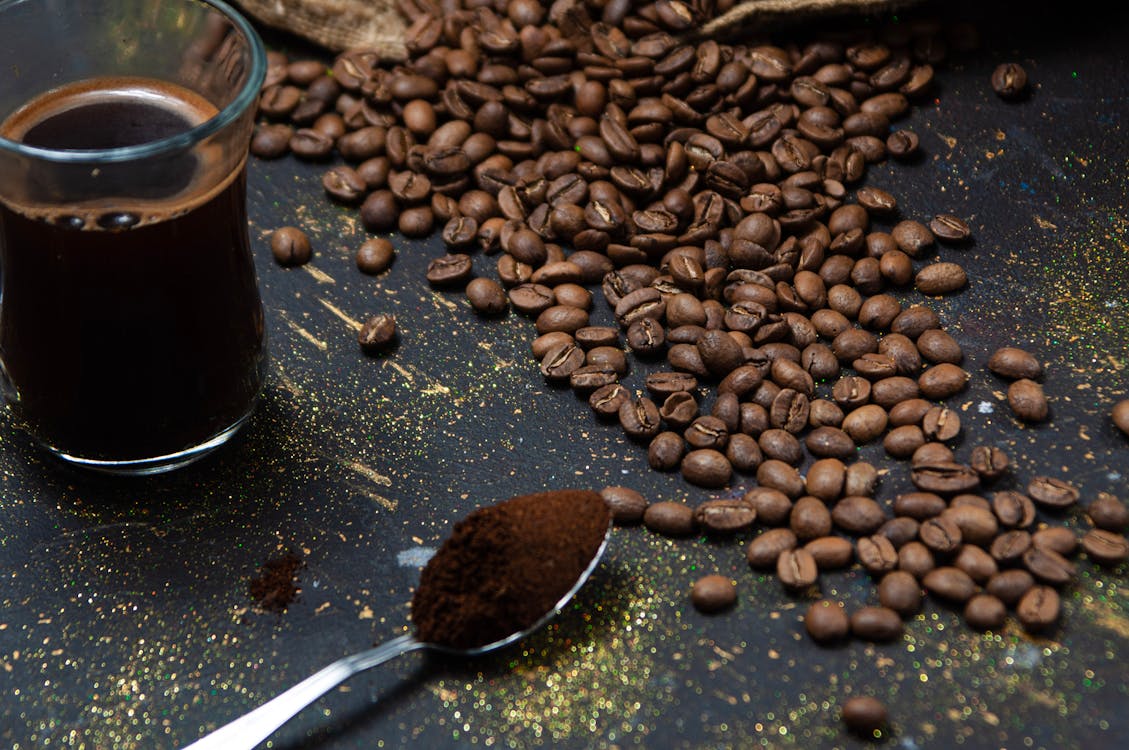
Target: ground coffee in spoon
pixel 507 565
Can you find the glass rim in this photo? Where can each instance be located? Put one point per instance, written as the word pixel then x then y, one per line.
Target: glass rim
pixel 189 138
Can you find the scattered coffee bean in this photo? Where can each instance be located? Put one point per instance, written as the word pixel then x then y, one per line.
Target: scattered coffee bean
pixel 1052 492
pixel 1105 547
pixel 1014 363
pixel 1038 609
pixel 378 334
pixel 713 593
pixel 949 583
pixel 899 591
pixel 1010 585
pixel 486 296
pixel 1009 81
pixel 290 246
pixel 827 622
pixel 796 569
pixel 985 612
pixel 1120 415
pixel 725 516
pixel 375 256
pixel 1109 513
pixel 669 518
pixel 1028 401
pixel 880 624
pixel 626 505
pixel 865 716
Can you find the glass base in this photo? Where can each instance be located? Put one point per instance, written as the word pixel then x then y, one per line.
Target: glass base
pixel 141 467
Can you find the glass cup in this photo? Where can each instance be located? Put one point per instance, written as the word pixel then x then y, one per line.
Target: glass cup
pixel 131 329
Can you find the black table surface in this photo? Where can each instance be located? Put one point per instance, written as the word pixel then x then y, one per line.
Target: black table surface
pixel 125 619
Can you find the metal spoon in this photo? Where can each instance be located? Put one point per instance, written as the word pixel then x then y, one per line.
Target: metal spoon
pixel 249 730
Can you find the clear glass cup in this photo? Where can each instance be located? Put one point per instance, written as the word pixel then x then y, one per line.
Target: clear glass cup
pixel 131 328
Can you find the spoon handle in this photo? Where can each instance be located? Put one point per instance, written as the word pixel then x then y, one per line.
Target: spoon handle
pixel 252 728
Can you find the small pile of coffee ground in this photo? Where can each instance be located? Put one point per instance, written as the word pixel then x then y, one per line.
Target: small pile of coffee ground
pixel 275 587
pixel 506 566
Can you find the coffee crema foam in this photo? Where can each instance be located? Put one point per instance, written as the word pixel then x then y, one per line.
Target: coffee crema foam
pixel 115 112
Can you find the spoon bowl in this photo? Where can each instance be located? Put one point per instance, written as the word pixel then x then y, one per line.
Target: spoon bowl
pixel 249 730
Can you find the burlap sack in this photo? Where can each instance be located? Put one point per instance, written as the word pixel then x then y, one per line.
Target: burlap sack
pixel 337 24
pixel 379 26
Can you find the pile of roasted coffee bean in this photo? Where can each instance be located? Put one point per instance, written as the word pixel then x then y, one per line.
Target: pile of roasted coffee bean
pixel 713 195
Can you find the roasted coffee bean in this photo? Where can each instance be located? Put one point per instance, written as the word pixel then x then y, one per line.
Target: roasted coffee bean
pixel 532 299
pixel 865 423
pixel 1009 81
pixel 561 361
pixel 1120 415
pixel 949 228
pixel 937 346
pixel 639 418
pixel 1038 609
pixel 902 144
pixel 919 505
pixel 416 221
pixel 942 381
pixel 1013 509
pixel 949 583
pixel 989 462
pixel 1008 548
pixel 865 716
pixel 378 334
pixel 449 270
pixel 879 624
pixel 877 554
pixel 561 318
pixel 979 565
pixel 985 612
pixel 858 515
pixel 1009 586
pixel 899 591
pixel 831 552
pixel 626 505
pixel 706 467
pixel 932 453
pixel 343 184
pixel 1048 566
pixel 310 144
pixel 1058 539
pixel 914 558
pixel 713 593
pixel 1014 363
pixel 1051 492
pixel 669 518
pixel 900 531
pixel 909 412
pixel 945 478
pixel 766 549
pixel 773 506
pixel 977 523
pixel 940 278
pixel 271 141
pixel 1028 401
pixel 725 516
pixel 290 246
pixel 744 453
pixel 1105 547
pixel 796 569
pixel 825 479
pixel 1107 512
pixel 607 400
pixel 826 621
pixel 941 423
pixel 901 442
pixel 375 255
pixel 486 296
pixel 940 534
pixel 380 212
pixel 810 518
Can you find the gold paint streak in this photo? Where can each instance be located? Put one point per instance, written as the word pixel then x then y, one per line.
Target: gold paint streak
pixel 1044 224
pixel 305 334
pixel 353 323
pixel 318 274
pixel 1119 625
pixel 366 613
pixel 366 471
pixel 400 369
pixel 948 139
pixel 290 386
